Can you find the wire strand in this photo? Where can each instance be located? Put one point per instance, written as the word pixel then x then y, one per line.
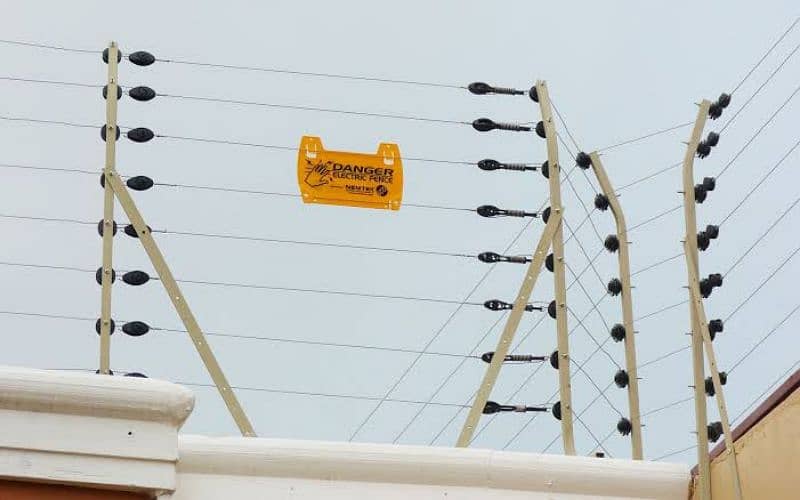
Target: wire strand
pixel 766 54
pixel 643 137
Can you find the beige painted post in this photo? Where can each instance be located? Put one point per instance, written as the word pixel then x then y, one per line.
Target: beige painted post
pixel 179 302
pixel 504 343
pixel 559 274
pixel 700 335
pixel 627 305
pixel 108 211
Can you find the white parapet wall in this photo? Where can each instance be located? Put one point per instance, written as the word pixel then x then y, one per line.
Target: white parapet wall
pixel 122 433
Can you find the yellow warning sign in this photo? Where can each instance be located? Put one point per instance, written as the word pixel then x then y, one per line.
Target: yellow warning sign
pixel 350 179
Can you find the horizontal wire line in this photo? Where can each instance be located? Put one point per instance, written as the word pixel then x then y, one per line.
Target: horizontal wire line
pixel 646 136
pixel 766 54
pixel 249 337
pixel 673 453
pixel 763 339
pixel 666 407
pixel 649 176
pixel 773 384
pixel 51 47
pixel 50 82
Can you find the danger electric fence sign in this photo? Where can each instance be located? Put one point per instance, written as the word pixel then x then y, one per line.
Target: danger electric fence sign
pixel 350 179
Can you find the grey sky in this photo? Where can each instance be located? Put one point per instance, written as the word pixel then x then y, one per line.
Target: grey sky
pixel 615 70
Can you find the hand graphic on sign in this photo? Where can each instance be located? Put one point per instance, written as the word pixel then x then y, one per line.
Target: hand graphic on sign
pixel 319 175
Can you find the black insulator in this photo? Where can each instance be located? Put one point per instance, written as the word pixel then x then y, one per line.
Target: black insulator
pixel 714 431
pixel 699 193
pixel 97 372
pixel 556 410
pixel 614 287
pixel 490 407
pixel 554 359
pixel 98 276
pixel 715 280
pixel 624 426
pixel 496 165
pixel 142 93
pixel 715 326
pixel 135 375
pixel 492 257
pixel 135 328
pixel 703 149
pixel 714 111
pixel 489 257
pixel 142 58
pixel 140 134
pixel 136 278
pixel 140 183
pixel 480 88
pixel 549 262
pixel 523 358
pixel 111 326
pixel 487 356
pixel 105 55
pixel 546 215
pixel 621 379
pixel 709 383
pixel 488 211
pixel 495 305
pixel 611 243
pixel 493 211
pixel 103 132
pixel 131 231
pixel 483 125
pixel 703 241
pixel 601 202
pixel 486 124
pixel 105 92
pixel 705 288
pixel 489 164
pixel 583 160
pixel 545 169
pixel 540 130
pixel 551 309
pixel 724 100
pixel 533 94
pixel 101 225
pixel 618 332
pixel 709 183
pixel 712 231
pixel 712 139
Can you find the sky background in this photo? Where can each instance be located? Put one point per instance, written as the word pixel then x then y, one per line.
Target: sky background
pixel 616 70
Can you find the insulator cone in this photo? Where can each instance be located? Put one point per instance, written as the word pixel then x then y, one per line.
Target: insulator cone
pixel 712 139
pixel 583 160
pixel 621 379
pixel 614 287
pixel 491 407
pixel 709 183
pixel 554 359
pixel 105 92
pixel 624 426
pixel 484 125
pixel 136 278
pixel 533 94
pixel 546 215
pixel 715 280
pixel 545 169
pixel 556 410
pixel 111 326
pixel 714 431
pixel 724 100
pixel 699 193
pixel 618 332
pixel 98 276
pixel 611 243
pixel 105 55
pixel 705 288
pixel 142 93
pixel 101 225
pixel 703 149
pixel 140 183
pixel 488 164
pixel 703 241
pixel 103 132
pixel 712 231
pixel 479 88
pixel 709 383
pixel 549 263
pixel 714 111
pixel 551 309
pixel 135 328
pixel 489 257
pixel 601 202
pixel 716 326
pixel 131 231
pixel 488 211
pixel 540 130
pixel 140 134
pixel 142 58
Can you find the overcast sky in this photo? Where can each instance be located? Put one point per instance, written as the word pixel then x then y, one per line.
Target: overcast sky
pixel 615 70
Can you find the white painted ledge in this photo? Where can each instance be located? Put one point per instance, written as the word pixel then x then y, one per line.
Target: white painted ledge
pixel 91 430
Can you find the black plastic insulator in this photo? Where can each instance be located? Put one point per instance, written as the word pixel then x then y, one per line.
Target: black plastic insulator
pixel 136 278
pixel 712 231
pixel 552 310
pixel 142 58
pixel 703 149
pixel 724 100
pixel 699 193
pixel 491 407
pixel 101 225
pixel 142 93
pixel 481 88
pixel 111 326
pixel 499 305
pixel 540 130
pixel 105 92
pixel 488 211
pixel 624 426
pixel 545 169
pixel 492 257
pixel 614 287
pixel 583 160
pixel 703 241
pixel 714 111
pixel 554 359
pixel 601 202
pixel 621 379
pixel 715 326
pixel 135 375
pixel 705 288
pixel 140 183
pixel 546 215
pixel 709 383
pixel 140 134
pixel 712 139
pixel 490 165
pixel 556 410
pixel 709 183
pixel 103 132
pixel 97 372
pixel 105 55
pixel 493 211
pixel 486 124
pixel 715 279
pixel 611 243
pixel 489 257
pixel 533 94
pixel 519 358
pixel 618 332
pixel 131 231
pixel 714 431
pixel 549 262
pixel 98 276
pixel 135 328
